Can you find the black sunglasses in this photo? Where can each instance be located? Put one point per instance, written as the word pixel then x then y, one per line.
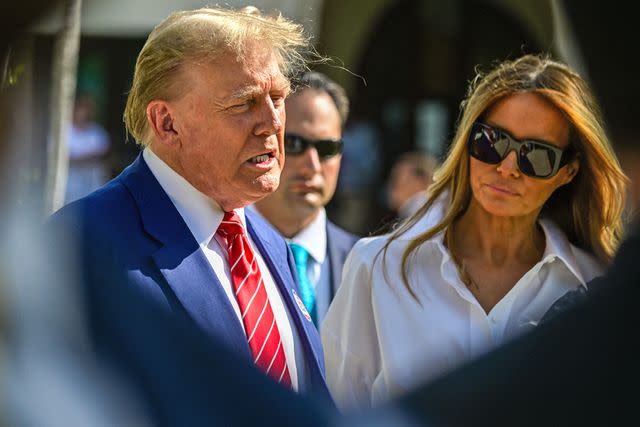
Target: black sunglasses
pixel 326 148
pixel 536 159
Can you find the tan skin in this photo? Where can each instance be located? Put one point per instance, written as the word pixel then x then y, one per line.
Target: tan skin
pixel 497 238
pixel 225 133
pixel 307 183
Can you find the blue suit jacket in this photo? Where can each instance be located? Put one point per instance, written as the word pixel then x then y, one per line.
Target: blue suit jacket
pixel 339 243
pixel 148 239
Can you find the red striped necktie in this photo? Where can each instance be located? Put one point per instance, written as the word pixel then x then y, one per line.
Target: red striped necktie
pixel 257 316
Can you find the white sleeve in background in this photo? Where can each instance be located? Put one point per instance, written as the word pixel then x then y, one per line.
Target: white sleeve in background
pixel 349 336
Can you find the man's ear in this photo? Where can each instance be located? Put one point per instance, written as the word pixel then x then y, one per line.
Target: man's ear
pixel 161 121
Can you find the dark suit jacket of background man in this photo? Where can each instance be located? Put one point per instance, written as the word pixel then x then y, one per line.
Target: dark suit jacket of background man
pixel 131 225
pixel 339 243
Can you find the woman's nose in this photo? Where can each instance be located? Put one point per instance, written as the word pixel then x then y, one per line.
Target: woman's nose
pixel 509 165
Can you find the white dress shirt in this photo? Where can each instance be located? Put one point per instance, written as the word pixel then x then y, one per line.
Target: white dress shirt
pixel 203 217
pixel 380 342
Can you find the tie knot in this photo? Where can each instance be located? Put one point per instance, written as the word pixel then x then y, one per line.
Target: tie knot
pixel 300 254
pixel 231 224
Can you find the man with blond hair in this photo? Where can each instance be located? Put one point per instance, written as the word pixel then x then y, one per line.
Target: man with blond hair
pixel 207 107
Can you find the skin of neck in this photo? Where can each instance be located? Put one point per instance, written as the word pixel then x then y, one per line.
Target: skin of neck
pixel 498 240
pixel 289 222
pixel 163 154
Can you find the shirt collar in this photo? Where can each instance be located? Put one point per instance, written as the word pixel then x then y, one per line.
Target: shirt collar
pixel 558 247
pixel 313 237
pixel 202 214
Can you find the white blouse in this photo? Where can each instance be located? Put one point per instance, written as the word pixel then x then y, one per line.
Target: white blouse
pixel 380 342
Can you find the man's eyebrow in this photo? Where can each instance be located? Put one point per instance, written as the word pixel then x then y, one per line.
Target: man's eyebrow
pixel 248 92
pixel 286 88
pixel 245 92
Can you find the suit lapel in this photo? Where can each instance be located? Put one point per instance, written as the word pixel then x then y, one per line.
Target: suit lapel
pixel 338 248
pixel 334 263
pixel 181 262
pixel 276 258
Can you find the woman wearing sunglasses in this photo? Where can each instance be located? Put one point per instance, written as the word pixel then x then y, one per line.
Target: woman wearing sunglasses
pixel 526 207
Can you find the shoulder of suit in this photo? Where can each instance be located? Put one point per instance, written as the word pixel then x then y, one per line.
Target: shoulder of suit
pixel 335 231
pixel 111 202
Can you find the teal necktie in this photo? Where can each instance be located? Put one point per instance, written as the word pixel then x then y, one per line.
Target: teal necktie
pixel 301 257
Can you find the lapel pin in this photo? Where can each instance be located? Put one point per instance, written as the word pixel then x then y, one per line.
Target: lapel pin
pixel 301 306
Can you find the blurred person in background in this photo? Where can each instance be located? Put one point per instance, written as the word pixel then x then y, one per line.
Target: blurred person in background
pixel 207 107
pixel 88 146
pixel 316 114
pixel 526 207
pixel 410 177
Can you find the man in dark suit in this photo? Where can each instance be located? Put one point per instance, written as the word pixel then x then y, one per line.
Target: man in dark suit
pixel 316 115
pixel 207 107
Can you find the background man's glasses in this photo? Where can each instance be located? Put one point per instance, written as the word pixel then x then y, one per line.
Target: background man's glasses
pixel 536 159
pixel 326 148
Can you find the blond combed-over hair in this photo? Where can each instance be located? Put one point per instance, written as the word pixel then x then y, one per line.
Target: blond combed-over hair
pixel 202 35
pixel 588 209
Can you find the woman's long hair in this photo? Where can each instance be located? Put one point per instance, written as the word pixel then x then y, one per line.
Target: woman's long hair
pixel 588 209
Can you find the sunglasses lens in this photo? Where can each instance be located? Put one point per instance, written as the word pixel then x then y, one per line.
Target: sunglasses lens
pixel 293 144
pixel 328 148
pixel 536 160
pixel 487 145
